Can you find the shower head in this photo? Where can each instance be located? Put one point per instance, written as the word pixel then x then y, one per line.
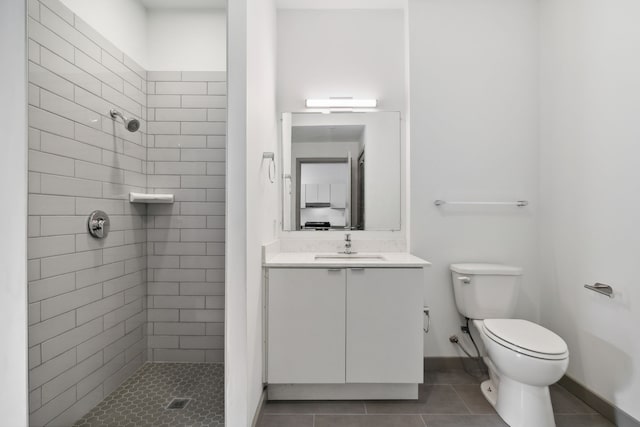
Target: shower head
pixel 131 125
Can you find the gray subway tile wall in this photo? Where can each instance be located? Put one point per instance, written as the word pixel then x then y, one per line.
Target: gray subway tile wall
pixel 86 298
pixel 154 288
pixel 185 241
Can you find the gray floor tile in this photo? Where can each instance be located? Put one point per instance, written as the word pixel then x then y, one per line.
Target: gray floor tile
pixel 432 399
pixel 455 376
pixel 314 407
pixel 473 398
pixel 141 400
pixel 369 421
pixel 566 403
pixel 464 421
pixel 582 420
pixel 285 421
pixel 457 402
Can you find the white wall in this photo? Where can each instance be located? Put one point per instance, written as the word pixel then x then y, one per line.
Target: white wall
pixel 324 173
pixel 251 199
pixel 122 22
pixel 235 334
pixel 262 195
pixel 327 150
pixel 340 4
pixel 590 193
pixel 159 39
pixel 13 222
pixel 329 53
pixel 474 100
pixel 186 39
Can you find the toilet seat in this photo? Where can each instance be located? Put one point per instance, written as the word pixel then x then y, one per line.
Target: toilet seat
pixel 526 338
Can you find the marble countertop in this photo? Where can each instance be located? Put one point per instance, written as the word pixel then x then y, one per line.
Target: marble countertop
pixel 308 259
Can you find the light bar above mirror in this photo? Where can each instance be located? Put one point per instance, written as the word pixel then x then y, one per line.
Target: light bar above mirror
pixel 341 103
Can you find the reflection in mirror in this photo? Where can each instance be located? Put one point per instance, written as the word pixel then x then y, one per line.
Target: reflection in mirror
pixel 341 171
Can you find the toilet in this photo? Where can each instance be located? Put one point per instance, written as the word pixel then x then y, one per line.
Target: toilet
pixel 523 357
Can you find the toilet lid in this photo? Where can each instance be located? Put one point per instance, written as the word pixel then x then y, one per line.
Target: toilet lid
pixel 483 268
pixel 526 337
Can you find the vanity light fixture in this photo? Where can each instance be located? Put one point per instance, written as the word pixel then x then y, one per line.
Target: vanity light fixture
pixel 341 103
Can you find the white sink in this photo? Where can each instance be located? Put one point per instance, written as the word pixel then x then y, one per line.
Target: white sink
pixel 355 257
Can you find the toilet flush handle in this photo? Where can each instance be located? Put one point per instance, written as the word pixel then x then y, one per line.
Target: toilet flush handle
pixel 464 279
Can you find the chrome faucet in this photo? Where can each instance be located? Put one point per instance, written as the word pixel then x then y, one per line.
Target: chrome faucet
pixel 347 243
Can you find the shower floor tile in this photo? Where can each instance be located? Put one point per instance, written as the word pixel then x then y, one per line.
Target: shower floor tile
pixel 141 401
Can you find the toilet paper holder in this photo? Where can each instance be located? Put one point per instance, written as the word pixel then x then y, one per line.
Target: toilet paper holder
pixel 601 288
pixel 427 313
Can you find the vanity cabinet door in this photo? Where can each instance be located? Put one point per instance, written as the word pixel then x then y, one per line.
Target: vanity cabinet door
pixel 384 325
pixel 306 326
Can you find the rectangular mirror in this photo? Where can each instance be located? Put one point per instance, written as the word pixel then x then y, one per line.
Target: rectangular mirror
pixel 341 171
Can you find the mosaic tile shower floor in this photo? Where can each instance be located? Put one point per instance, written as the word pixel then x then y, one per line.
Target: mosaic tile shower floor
pixel 141 400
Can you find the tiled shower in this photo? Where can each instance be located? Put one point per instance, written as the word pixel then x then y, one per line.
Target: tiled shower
pixel 153 289
pixel 185 240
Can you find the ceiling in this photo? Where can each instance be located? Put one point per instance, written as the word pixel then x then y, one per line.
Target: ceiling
pixel 184 4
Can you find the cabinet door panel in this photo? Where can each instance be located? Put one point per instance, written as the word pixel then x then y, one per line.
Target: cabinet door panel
pixel 324 193
pixel 306 326
pixel 311 193
pixel 384 325
pixel 338 196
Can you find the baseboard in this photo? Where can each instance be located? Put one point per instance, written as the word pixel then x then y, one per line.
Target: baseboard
pixel 256 415
pixel 374 391
pixel 614 414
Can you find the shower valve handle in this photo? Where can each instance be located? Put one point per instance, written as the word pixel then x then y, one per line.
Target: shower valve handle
pixel 99 224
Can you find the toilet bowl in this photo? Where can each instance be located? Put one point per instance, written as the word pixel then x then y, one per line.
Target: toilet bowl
pixel 523 357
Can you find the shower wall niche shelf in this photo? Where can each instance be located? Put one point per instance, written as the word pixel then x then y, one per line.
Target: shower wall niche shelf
pixel 150 198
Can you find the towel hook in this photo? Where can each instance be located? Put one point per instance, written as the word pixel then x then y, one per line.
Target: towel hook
pixel 272 165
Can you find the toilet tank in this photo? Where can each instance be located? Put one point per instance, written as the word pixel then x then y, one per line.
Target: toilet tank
pixel 486 291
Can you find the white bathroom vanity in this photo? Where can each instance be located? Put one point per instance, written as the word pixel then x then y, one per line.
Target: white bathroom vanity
pixel 343 326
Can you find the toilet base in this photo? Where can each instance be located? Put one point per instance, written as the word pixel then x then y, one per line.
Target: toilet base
pixel 489 391
pixel 520 405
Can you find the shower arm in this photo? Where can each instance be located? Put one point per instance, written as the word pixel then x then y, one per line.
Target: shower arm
pixel 115 113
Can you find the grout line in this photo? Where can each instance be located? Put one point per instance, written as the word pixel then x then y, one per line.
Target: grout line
pixel 83 324
pixel 461 399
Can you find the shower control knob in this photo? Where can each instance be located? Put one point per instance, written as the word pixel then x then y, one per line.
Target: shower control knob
pixel 99 224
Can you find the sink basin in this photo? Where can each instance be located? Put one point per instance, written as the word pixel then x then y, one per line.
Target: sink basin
pixel 355 257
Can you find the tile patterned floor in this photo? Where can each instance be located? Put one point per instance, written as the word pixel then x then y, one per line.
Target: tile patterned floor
pixel 141 400
pixel 449 398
